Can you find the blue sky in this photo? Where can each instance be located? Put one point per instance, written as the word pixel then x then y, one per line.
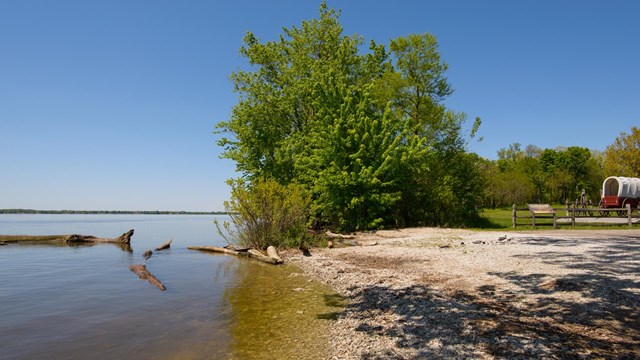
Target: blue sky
pixel 112 104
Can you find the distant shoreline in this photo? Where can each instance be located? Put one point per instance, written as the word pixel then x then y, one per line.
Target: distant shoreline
pixel 109 212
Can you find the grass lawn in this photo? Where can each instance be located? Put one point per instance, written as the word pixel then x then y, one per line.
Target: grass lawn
pixel 501 219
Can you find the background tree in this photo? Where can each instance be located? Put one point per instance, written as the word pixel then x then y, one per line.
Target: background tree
pixel 542 175
pixel 622 158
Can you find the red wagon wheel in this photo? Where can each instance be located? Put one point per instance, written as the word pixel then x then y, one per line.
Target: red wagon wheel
pixel 622 212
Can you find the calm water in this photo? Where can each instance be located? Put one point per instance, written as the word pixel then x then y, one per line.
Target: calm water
pixel 77 302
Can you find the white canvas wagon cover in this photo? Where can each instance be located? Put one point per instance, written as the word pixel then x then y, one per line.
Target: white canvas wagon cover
pixel 621 186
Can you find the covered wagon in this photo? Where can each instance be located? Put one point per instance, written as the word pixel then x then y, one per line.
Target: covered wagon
pixel 618 191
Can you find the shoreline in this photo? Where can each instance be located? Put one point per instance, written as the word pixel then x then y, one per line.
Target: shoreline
pixel 450 293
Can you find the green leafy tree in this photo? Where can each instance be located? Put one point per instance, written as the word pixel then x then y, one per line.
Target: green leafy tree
pixel 509 157
pixel 366 135
pixel 552 175
pixel 567 171
pixel 622 158
pixel 277 96
pixel 439 190
pixel 352 165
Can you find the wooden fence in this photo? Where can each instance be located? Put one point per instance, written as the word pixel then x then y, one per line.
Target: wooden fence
pixel 592 215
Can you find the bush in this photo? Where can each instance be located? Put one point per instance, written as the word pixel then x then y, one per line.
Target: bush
pixel 265 213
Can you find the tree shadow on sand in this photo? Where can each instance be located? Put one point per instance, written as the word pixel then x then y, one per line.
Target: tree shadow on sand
pixel 585 314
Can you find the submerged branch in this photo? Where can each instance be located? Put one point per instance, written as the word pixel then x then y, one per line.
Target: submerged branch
pixel 143 273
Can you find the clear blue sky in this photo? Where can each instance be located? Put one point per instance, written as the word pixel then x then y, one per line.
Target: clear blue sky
pixel 112 104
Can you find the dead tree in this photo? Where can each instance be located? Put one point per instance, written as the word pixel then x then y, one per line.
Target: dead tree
pixel 73 238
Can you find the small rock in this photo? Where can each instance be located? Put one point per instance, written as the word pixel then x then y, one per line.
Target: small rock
pixel 147 254
pixel 300 312
pixel 298 289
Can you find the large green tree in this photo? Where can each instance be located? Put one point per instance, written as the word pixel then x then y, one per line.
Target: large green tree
pixel 277 93
pixel 366 134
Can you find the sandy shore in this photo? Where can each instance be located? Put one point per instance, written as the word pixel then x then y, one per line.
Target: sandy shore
pixel 444 293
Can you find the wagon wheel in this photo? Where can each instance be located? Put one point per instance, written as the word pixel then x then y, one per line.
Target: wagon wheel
pixel 622 212
pixel 603 213
pixel 589 212
pixel 581 211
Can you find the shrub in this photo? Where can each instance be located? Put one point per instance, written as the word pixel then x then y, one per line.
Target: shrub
pixel 265 213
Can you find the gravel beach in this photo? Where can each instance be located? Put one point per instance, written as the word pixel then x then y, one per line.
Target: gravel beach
pixel 447 293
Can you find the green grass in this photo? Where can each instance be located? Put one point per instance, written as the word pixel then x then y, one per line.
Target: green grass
pixel 496 218
pixel 501 219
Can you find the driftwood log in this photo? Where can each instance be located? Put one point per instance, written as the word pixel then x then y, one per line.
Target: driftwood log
pixel 164 245
pixel 218 249
pixel 147 254
pixel 258 255
pixel 332 235
pixel 143 273
pixel 74 238
pixel 251 253
pixel 367 243
pixel 272 252
pixel 347 242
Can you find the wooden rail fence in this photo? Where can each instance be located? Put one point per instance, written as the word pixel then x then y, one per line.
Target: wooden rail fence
pixel 599 215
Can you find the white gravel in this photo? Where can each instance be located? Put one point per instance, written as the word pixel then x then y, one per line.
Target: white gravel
pixel 446 293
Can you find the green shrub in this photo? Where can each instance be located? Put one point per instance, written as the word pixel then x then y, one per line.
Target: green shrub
pixel 265 213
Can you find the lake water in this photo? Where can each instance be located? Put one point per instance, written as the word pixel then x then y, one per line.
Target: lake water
pixel 78 302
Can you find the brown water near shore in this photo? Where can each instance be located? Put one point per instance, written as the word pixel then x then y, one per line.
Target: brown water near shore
pixel 279 313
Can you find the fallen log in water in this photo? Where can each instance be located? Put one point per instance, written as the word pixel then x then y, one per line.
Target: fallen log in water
pixel 143 273
pixel 255 254
pixel 252 253
pixel 147 254
pixel 218 249
pixel 165 245
pixel 73 238
pixel 122 239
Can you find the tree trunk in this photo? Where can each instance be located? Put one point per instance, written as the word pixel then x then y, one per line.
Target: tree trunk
pixel 74 238
pixel 252 253
pixel 255 254
pixel 122 239
pixel 143 273
pixel 217 249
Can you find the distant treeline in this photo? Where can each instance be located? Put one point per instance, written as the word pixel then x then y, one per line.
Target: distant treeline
pixel 123 212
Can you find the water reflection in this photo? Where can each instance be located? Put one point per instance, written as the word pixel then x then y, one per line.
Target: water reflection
pixel 54 243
